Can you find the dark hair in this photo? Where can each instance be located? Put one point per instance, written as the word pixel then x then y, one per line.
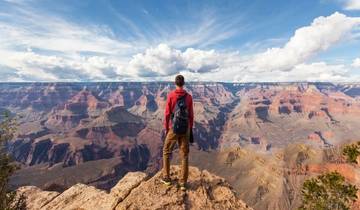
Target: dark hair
pixel 179 80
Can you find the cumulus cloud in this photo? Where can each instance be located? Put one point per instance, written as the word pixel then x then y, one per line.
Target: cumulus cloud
pixel 316 72
pixel 34 48
pixel 164 61
pixel 62 50
pixel 356 63
pixel 352 5
pixel 31 66
pixel 307 41
pixel 313 72
pixel 289 62
pixel 201 61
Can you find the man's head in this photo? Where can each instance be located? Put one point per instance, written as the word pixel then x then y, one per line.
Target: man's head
pixel 179 81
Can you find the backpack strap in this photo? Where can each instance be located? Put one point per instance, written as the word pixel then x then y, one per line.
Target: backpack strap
pixel 172 113
pixel 183 96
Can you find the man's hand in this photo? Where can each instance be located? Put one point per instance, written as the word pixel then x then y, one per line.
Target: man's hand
pixel 191 140
pixel 164 133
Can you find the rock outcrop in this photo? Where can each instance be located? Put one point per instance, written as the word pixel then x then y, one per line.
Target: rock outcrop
pixel 81 106
pixel 135 191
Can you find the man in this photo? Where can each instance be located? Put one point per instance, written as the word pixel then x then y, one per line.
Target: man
pixel 179 119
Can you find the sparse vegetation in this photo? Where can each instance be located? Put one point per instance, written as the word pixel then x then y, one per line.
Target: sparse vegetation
pixel 351 152
pixel 329 191
pixel 9 200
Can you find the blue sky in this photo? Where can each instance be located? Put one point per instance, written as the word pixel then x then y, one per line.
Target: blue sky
pixel 244 41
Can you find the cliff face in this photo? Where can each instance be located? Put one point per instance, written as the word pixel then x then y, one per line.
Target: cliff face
pixel 135 191
pixel 69 114
pixel 260 115
pixel 276 116
pixel 111 134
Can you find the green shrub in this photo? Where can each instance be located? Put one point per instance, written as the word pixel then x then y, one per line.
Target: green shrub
pixel 351 152
pixel 9 200
pixel 328 192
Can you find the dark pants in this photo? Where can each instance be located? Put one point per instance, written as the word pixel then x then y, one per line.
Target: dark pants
pixel 183 142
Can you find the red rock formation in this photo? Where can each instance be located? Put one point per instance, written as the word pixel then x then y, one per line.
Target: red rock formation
pixel 308 100
pixel 314 114
pixel 316 138
pixel 86 100
pixel 327 134
pixel 344 169
pixel 116 98
pixel 81 106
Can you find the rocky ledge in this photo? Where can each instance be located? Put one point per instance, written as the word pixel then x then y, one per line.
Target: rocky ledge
pixel 136 191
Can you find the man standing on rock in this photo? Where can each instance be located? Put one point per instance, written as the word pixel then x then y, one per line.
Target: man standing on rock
pixel 179 119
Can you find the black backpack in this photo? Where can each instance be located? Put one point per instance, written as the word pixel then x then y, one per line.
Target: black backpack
pixel 180 116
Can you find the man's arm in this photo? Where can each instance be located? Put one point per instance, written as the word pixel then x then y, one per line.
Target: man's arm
pixel 167 113
pixel 191 112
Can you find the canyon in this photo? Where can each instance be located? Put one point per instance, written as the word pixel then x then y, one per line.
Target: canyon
pixel 265 139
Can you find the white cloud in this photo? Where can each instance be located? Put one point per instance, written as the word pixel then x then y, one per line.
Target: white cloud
pixel 159 61
pixel 55 34
pixel 292 62
pixel 208 32
pixel 319 71
pixel 201 61
pixel 307 41
pixel 62 51
pixel 288 63
pixel 352 5
pixel 313 72
pixel 30 66
pixel 164 60
pixel 204 29
pixel 65 51
pixel 356 63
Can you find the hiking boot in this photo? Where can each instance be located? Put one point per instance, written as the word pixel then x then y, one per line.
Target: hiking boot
pixel 166 181
pixel 183 187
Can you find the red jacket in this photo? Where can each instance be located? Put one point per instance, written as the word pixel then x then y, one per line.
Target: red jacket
pixel 170 106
